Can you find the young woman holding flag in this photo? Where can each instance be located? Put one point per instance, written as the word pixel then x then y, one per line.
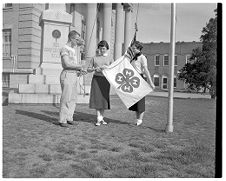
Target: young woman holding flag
pixel 139 62
pixel 100 87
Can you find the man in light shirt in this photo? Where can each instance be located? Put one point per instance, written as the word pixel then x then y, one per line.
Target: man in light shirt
pixel 68 79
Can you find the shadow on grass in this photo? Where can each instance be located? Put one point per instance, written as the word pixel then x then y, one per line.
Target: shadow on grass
pixel 156 130
pixel 84 117
pixel 38 116
pixel 78 116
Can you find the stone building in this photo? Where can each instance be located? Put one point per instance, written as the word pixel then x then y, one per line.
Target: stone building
pixel 158 62
pixel 34 33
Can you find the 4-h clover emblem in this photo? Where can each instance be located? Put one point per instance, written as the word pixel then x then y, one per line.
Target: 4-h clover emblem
pixel 127 81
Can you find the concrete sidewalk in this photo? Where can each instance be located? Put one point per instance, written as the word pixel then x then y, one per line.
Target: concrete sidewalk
pixel 180 95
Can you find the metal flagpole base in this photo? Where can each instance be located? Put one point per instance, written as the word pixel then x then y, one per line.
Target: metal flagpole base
pixel 169 128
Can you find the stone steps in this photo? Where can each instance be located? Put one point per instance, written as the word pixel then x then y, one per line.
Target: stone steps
pixel 25 98
pixel 48 89
pixel 44 79
pixel 39 88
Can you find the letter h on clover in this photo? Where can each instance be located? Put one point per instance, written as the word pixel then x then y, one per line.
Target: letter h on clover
pixel 127 80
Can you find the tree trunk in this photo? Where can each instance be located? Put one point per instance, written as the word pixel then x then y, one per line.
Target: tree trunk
pixel 213 92
pixel 204 91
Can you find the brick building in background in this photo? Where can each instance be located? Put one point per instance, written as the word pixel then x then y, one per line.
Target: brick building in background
pixel 158 62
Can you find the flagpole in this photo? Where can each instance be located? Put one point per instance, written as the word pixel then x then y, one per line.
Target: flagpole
pixel 169 126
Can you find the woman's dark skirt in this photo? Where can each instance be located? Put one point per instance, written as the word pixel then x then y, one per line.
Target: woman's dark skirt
pixel 99 94
pixel 140 105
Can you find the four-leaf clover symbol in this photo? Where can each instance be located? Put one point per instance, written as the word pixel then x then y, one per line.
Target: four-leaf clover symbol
pixel 127 81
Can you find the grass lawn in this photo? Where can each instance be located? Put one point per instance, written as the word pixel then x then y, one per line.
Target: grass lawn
pixel 35 146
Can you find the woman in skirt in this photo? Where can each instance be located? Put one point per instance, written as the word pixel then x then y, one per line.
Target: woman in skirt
pixel 100 87
pixel 139 63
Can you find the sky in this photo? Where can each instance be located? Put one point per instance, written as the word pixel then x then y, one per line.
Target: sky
pixel 153 21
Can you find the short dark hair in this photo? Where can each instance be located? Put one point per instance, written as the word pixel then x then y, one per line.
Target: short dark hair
pixel 103 43
pixel 138 45
pixel 72 34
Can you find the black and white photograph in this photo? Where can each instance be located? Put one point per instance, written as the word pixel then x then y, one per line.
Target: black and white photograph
pixel 111 90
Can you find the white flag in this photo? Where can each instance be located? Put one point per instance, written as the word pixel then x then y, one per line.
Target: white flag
pixel 127 82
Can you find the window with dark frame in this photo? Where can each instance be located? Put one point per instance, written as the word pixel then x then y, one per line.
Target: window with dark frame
pixel 156 80
pixel 5 79
pixel 157 60
pixel 7 36
pixel 166 60
pixel 164 82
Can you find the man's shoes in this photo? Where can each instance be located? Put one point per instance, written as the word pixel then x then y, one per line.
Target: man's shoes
pixel 139 122
pixel 72 122
pixel 64 125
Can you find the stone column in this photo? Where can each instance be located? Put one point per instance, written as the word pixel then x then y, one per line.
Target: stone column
pixel 128 26
pixel 118 31
pixel 76 20
pixel 107 10
pixel 90 41
pixel 77 26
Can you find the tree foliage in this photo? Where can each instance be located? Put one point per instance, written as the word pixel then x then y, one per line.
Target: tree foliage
pixel 200 72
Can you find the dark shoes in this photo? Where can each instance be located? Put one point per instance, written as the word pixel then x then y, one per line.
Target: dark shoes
pixel 72 122
pixel 64 125
pixel 67 124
